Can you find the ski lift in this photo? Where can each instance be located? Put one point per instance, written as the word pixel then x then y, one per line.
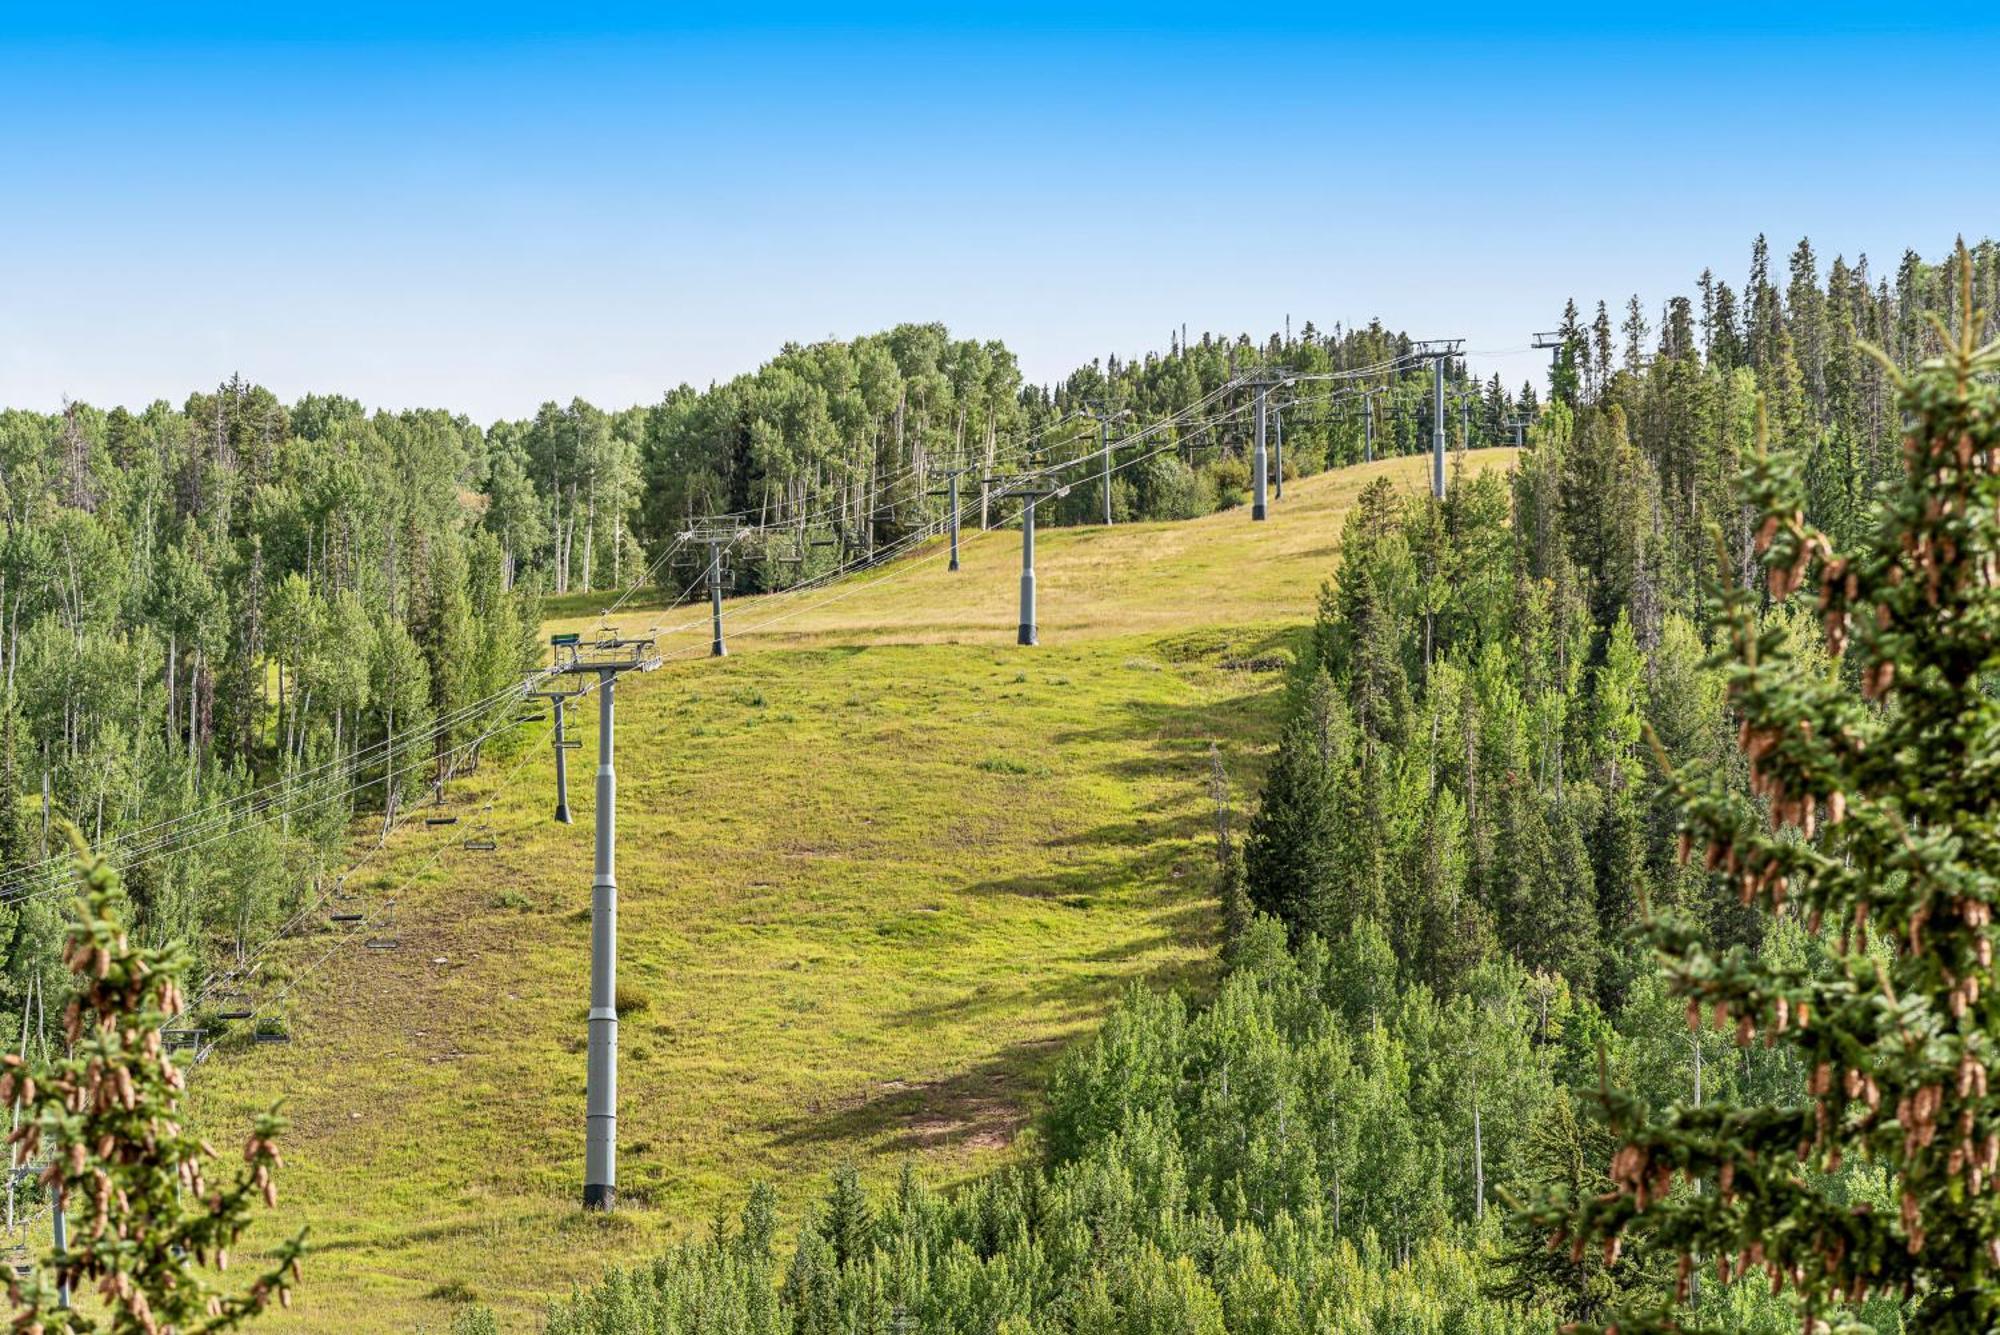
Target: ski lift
pixel 272 1035
pixel 234 1015
pixel 480 845
pixel 177 1039
pixel 530 718
pixel 344 917
pixel 440 820
pixel 571 743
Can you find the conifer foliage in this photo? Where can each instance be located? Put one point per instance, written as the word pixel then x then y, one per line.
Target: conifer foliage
pixel 144 1217
pixel 1874 818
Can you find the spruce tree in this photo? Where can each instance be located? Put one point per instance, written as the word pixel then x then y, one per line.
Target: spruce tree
pixel 1877 822
pixel 1290 857
pixel 1569 1153
pixel 848 1222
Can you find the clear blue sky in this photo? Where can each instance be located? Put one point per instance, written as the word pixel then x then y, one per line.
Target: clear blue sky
pixel 483 206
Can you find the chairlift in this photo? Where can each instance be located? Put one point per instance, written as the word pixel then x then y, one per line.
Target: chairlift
pixel 571 743
pixel 271 1036
pixel 440 820
pixel 344 917
pixel 530 718
pixel 480 845
pixel 234 1015
pixel 176 1039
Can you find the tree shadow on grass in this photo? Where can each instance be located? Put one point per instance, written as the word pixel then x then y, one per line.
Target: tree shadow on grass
pixel 982 1107
pixel 1159 857
pixel 1075 996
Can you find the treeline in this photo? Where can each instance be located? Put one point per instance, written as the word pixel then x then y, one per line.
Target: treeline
pixel 841 448
pixel 225 628
pixel 229 627
pixel 1426 926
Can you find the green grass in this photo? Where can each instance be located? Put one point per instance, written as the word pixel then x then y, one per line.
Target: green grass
pixel 875 868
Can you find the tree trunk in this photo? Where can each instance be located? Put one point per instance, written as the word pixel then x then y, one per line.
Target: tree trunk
pixel 590 536
pixel 1478 1159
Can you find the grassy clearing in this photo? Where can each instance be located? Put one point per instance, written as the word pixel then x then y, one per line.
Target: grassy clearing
pixel 876 867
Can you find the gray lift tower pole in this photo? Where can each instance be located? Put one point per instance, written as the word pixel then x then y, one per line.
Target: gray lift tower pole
pixel 1368 427
pixel 718 535
pixel 606 659
pixel 951 492
pixel 1102 414
pixel 1278 451
pixel 1026 633
pixel 1440 351
pixel 556 700
pixel 954 519
pixel 1260 462
pixel 1030 493
pixel 716 647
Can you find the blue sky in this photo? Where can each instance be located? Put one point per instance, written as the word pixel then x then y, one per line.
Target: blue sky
pixel 482 207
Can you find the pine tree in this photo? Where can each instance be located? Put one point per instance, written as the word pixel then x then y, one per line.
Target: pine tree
pixel 1566 1154
pixel 847 1220
pixel 1880 824
pixel 1290 856
pixel 812 1285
